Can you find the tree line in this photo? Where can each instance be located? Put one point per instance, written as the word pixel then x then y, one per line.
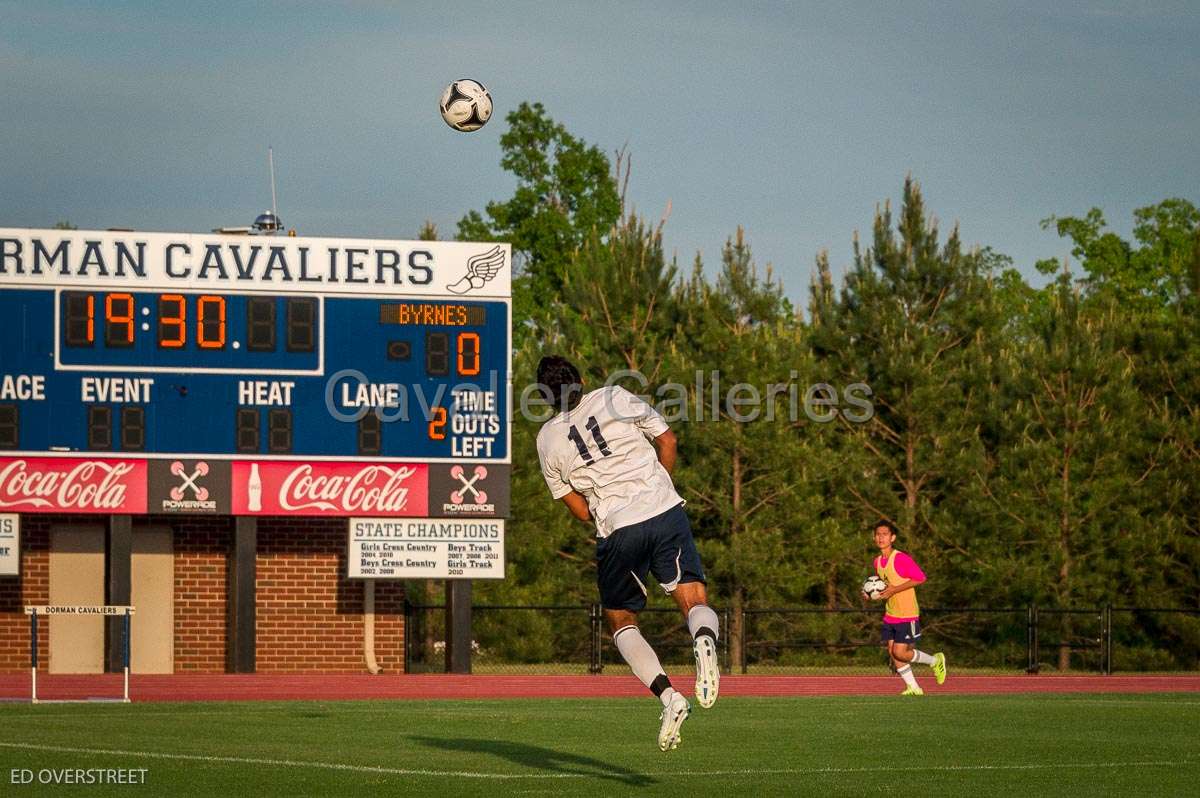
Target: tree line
pixel 1035 445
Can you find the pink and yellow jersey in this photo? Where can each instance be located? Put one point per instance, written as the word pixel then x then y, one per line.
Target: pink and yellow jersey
pixel 899 567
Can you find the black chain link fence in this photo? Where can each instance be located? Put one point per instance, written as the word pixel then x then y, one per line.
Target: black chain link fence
pixel 523 639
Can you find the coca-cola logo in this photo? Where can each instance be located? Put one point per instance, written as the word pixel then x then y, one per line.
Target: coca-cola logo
pixel 374 489
pixel 86 485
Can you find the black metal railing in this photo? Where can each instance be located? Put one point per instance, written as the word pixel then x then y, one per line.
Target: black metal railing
pixel 573 639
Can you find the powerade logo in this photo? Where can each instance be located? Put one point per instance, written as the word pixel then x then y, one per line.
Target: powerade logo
pixel 189 482
pixel 199 487
pixel 469 496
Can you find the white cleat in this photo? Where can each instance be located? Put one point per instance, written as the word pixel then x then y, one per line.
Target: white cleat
pixel 708 674
pixel 673 716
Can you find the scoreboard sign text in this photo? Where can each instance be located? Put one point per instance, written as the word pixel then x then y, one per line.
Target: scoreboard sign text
pixel 426 548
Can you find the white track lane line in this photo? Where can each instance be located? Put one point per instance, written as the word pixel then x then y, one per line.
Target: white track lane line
pixel 368 707
pixel 466 774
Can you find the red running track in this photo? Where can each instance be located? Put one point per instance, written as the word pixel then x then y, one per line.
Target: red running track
pixel 339 687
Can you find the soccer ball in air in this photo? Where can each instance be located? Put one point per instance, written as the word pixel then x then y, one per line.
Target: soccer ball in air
pixel 874 586
pixel 466 105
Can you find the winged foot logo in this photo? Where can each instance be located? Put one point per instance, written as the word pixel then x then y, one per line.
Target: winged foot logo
pixel 481 268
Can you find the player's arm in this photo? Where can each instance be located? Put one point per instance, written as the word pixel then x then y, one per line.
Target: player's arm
pixel 559 487
pixel 577 505
pixel 668 448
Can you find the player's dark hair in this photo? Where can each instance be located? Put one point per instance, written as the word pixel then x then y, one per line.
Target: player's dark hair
pixel 885 523
pixel 560 381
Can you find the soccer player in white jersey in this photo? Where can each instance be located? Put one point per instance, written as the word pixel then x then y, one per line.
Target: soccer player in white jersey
pixel 608 455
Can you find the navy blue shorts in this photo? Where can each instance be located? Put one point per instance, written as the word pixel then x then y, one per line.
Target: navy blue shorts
pixel 661 545
pixel 905 632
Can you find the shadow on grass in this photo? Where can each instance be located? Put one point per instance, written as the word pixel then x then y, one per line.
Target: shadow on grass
pixel 537 758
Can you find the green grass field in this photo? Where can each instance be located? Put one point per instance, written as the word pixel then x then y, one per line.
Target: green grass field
pixel 1121 745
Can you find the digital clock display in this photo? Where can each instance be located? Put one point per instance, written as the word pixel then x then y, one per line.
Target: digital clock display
pixel 182 321
pixel 187 330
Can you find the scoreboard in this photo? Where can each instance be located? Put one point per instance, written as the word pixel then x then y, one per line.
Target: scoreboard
pixel 164 372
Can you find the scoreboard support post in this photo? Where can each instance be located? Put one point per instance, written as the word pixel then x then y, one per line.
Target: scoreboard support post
pixel 119 587
pixel 240 601
pixel 458 626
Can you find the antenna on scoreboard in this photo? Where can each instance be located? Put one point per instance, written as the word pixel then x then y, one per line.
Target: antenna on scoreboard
pixel 271 165
pixel 269 221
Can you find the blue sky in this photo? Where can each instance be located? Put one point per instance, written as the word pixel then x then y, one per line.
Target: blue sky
pixel 791 119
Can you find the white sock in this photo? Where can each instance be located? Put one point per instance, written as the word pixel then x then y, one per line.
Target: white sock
pixel 641 659
pixel 921 658
pixel 907 675
pixel 702 617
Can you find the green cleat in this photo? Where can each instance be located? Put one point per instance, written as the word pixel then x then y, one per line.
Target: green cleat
pixel 939 667
pixel 913 691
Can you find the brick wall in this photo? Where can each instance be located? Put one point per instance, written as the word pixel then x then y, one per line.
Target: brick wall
pixel 31 587
pixel 202 546
pixel 309 615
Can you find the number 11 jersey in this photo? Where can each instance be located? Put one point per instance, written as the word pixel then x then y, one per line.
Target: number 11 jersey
pixel 601 449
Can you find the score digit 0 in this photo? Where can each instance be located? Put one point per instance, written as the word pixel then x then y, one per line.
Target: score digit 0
pixel 468 354
pixel 210 322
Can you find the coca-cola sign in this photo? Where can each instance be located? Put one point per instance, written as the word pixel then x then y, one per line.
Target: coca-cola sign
pixel 70 485
pixel 328 488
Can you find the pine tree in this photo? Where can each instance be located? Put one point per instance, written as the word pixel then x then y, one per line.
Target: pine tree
pixel 743 471
pixel 618 308
pixel 1068 470
pixel 916 321
pixel 565 191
